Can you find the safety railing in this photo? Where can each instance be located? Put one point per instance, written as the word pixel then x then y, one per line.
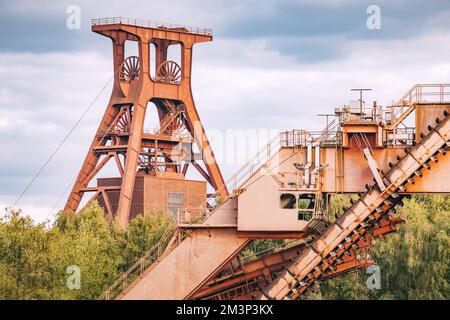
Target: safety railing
pixel 301 138
pixel 283 139
pixel 251 166
pixel 152 24
pixel 330 135
pixel 231 185
pixel 420 93
pixel 189 216
pixel 400 137
pixel 137 270
pixel 272 249
pixel 360 114
pixel 293 138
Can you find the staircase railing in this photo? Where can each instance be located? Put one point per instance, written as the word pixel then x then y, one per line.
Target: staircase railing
pixel 433 93
pixel 138 269
pixel 252 165
pixel 156 251
pixel 362 219
pixel 185 217
pixel 283 139
pixel 189 216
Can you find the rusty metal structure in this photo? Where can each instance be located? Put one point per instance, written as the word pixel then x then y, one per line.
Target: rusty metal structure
pixel 382 154
pixel 145 158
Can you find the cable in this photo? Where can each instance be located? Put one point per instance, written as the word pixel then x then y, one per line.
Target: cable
pixel 60 197
pixel 64 140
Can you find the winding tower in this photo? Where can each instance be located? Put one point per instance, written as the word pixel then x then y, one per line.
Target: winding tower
pixel 152 164
pixel 382 154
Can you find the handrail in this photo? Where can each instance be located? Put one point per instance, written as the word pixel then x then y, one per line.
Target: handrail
pixel 245 172
pixel 273 249
pixel 417 94
pixel 137 270
pixel 152 24
pixel 189 216
pixel 248 168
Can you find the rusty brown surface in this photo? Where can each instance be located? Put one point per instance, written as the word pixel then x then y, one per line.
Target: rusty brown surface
pixel 120 135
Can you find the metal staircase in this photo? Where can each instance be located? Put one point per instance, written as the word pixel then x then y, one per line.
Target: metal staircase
pixel 362 219
pixel 141 266
pixel 171 237
pixel 155 253
pixel 430 93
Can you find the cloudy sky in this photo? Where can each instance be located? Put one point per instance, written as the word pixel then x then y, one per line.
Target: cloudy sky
pixel 272 65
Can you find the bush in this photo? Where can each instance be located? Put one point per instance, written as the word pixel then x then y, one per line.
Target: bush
pixel 414 261
pixel 34 257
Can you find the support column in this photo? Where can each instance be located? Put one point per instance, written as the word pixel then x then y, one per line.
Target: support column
pixel 131 163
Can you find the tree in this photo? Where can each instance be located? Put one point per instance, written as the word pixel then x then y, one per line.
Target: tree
pixel 34 258
pixel 414 261
pixel 23 257
pixel 37 260
pixel 144 232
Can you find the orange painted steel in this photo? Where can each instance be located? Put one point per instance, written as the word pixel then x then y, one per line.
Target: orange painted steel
pixel 370 216
pixel 121 133
pixel 245 279
pixel 375 206
pixel 362 217
pixel 253 276
pixel 366 150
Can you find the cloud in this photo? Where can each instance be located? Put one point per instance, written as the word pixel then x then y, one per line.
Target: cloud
pixel 309 30
pixel 253 76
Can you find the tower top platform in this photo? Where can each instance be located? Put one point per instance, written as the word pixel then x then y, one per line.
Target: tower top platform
pixel 150 25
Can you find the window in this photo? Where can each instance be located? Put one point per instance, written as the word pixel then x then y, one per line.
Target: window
pixel 175 201
pixel 305 215
pixel 306 201
pixel 288 201
pixel 306 206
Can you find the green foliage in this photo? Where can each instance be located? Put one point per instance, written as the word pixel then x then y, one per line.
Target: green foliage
pixel 21 247
pixel 414 261
pixel 259 245
pixel 219 200
pixel 34 257
pixel 337 204
pixel 143 232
